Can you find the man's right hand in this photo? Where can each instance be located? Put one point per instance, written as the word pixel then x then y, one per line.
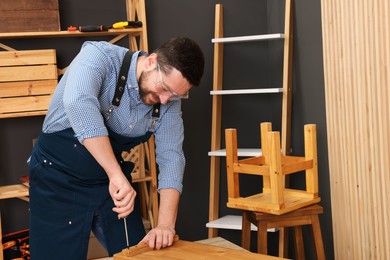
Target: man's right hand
pixel 123 195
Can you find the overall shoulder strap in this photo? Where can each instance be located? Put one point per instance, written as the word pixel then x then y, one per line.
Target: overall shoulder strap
pixel 120 87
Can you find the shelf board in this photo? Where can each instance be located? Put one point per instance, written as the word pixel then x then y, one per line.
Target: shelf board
pixel 135 31
pixel 261 37
pixel 13 191
pixel 232 222
pixel 242 152
pixel 247 91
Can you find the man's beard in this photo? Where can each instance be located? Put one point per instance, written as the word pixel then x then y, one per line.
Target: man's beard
pixel 144 94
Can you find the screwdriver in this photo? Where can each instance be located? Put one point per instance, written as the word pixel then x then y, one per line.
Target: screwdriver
pixel 127 24
pixel 125 224
pixel 93 28
pixel 127 236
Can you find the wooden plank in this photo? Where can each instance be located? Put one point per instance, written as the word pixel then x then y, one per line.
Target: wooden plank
pixel 231 159
pixel 292 159
pixel 28 57
pixel 29 16
pixel 27 81
pixel 24 104
pixel 263 202
pixel 16 5
pixel 311 154
pixel 296 167
pixel 265 128
pixel 27 88
pixel 287 78
pixel 251 169
pixel 24 114
pixel 13 191
pixel 275 169
pixel 29 21
pixel 21 73
pixel 191 250
pixel 216 121
pixel 257 160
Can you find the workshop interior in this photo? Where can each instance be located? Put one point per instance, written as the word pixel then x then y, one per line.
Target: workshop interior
pixel 286 138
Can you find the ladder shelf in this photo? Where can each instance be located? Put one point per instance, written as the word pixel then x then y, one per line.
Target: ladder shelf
pixel 216 152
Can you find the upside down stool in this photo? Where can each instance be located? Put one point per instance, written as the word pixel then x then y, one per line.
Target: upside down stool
pixel 276 206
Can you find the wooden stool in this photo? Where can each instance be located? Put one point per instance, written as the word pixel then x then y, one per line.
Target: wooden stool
pixel 275 198
pixel 296 219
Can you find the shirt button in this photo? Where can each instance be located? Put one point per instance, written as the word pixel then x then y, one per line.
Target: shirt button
pixel 131 126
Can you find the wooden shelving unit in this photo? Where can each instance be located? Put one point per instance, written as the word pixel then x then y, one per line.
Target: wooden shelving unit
pixel 235 222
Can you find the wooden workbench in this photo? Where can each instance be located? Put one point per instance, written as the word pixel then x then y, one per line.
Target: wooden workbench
pixel 192 250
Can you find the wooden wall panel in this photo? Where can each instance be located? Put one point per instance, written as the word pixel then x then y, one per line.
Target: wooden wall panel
pixel 356 48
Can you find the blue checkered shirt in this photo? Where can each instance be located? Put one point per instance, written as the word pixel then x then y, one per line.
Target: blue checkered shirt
pixel 84 95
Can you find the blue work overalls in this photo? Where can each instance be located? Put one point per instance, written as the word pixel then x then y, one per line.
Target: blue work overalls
pixel 69 197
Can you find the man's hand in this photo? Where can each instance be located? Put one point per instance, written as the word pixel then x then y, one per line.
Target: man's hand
pixel 122 193
pixel 162 235
pixel 159 237
pixel 123 197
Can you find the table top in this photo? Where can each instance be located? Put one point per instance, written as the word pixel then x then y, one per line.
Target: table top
pixel 187 250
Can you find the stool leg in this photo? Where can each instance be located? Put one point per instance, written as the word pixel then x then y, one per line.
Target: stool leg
pixel 283 242
pixel 298 243
pixel 262 244
pixel 246 231
pixel 317 237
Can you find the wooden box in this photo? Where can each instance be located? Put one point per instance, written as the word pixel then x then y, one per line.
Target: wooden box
pixel 29 16
pixel 27 82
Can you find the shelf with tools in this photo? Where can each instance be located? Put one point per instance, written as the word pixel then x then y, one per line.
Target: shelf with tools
pixel 124 32
pixel 132 33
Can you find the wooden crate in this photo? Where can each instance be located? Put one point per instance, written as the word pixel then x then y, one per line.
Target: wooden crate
pixel 29 16
pixel 27 82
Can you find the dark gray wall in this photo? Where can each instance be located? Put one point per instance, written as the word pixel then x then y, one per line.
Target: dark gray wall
pixel 246 65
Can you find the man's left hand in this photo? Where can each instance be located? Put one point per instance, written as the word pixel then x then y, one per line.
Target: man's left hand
pixel 159 237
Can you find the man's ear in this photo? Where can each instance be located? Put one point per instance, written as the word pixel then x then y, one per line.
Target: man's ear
pixel 151 62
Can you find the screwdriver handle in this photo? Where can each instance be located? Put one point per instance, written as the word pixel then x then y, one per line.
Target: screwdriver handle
pixel 93 28
pixel 127 24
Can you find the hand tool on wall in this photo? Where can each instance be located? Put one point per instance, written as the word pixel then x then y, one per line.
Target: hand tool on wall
pixel 127 24
pixel 93 28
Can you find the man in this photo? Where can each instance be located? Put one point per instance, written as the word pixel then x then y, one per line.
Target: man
pixel 100 108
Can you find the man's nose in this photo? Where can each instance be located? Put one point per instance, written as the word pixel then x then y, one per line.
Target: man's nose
pixel 164 98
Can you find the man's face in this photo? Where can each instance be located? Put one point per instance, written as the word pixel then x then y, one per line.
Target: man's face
pixel 157 87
